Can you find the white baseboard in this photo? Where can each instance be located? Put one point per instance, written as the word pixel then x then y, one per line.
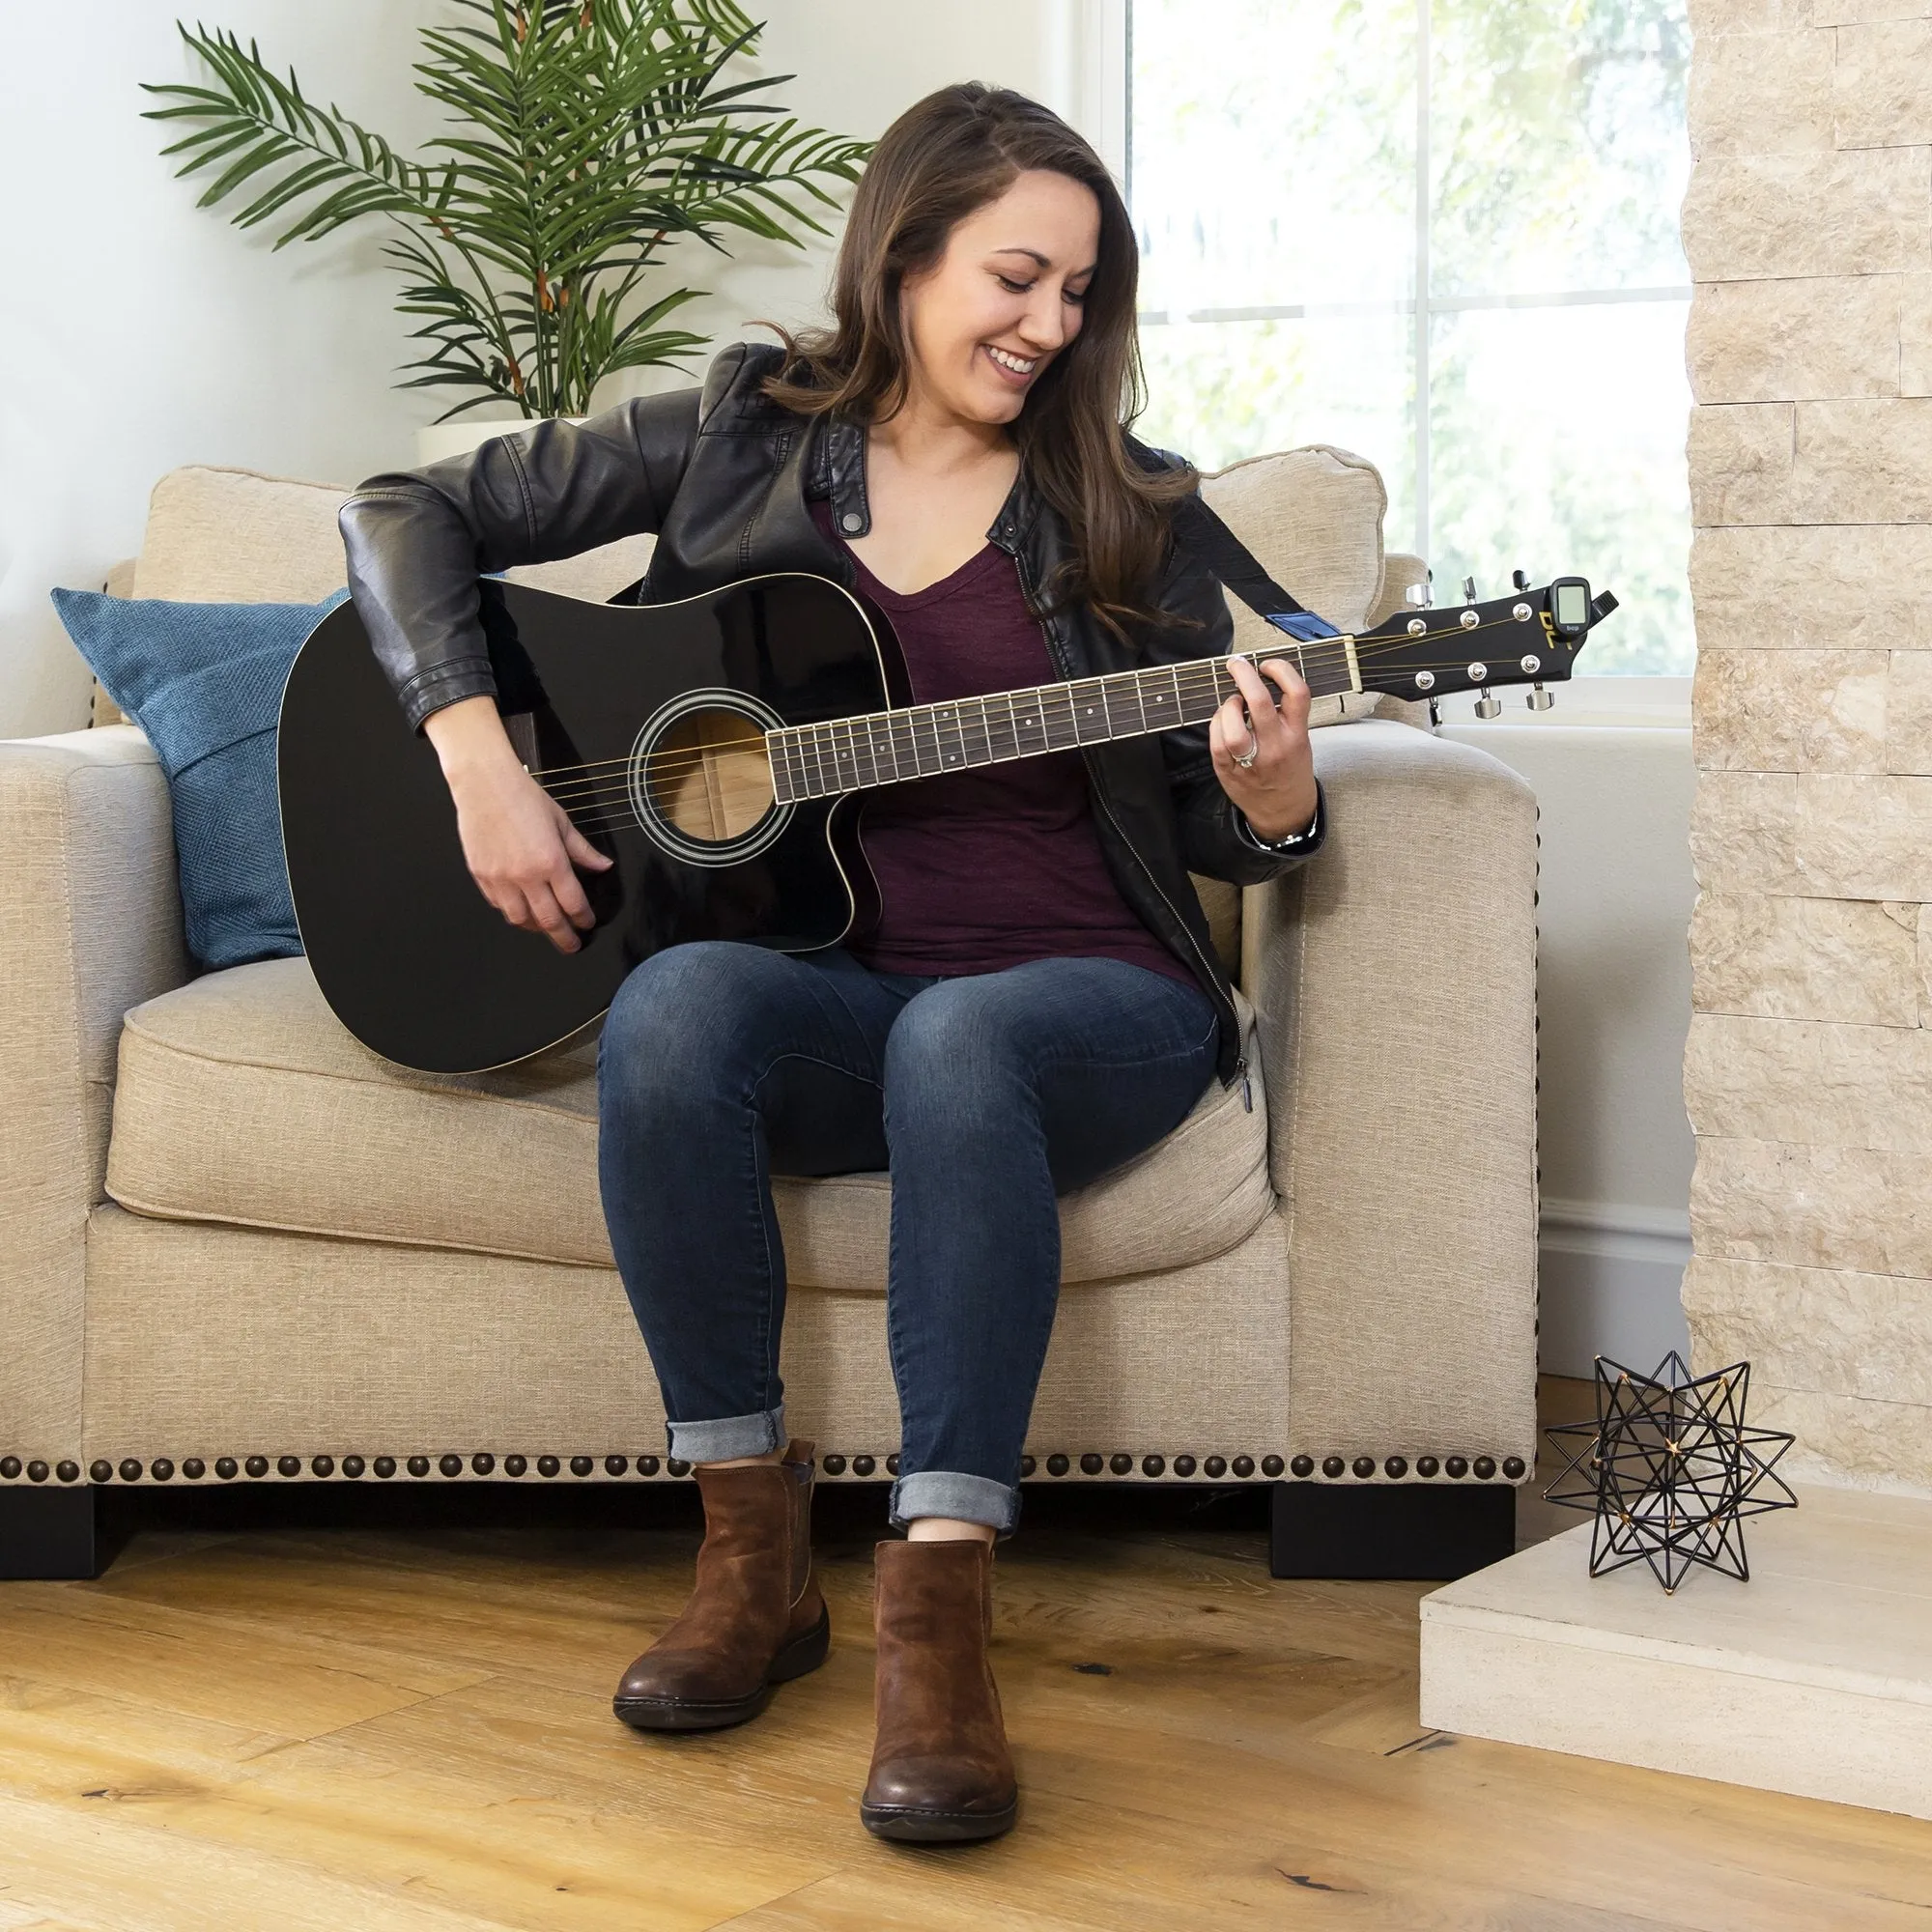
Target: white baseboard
pixel 1612 1276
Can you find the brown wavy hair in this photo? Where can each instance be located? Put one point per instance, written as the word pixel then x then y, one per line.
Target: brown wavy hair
pixel 943 157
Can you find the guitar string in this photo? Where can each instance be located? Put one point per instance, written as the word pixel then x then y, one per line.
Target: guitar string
pixel 613 785
pixel 668 767
pixel 1187 670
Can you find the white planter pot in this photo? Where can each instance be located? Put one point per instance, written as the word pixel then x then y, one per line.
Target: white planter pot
pixel 459 438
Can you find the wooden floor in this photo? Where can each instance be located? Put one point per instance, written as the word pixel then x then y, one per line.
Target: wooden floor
pixel 341 1729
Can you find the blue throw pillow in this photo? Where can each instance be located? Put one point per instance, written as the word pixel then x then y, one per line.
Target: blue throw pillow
pixel 204 681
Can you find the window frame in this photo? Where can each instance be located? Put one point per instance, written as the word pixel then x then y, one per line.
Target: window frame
pixel 1091 48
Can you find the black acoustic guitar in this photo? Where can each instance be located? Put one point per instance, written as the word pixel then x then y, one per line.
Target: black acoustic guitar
pixel 716 748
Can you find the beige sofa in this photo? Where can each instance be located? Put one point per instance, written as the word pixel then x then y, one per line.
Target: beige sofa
pixel 238 1246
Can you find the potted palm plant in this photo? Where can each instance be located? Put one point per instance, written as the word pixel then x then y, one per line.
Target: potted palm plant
pixel 590 137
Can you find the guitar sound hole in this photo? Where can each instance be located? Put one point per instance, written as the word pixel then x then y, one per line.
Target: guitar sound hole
pixel 710 778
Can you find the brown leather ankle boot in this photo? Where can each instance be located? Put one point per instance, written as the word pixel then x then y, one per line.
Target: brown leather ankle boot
pixel 755 1618
pixel 941 1770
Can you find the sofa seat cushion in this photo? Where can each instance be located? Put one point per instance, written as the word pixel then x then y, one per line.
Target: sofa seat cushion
pixel 241 1099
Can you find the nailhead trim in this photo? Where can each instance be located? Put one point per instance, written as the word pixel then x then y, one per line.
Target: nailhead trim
pixel 1091 1463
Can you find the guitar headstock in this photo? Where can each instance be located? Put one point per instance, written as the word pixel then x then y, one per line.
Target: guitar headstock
pixel 1530 636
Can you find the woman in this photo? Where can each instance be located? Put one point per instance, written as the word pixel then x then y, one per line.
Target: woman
pixel 1037 1001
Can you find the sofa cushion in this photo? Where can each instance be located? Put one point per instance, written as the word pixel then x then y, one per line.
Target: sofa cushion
pixel 233 536
pixel 242 1101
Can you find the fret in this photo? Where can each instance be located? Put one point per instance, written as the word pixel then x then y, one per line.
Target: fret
pixel 871 724
pixel 983 756
pixel 951 739
pixel 1057 714
pixel 778 754
pixel 1003 736
pixel 845 755
pixel 1158 708
pixel 1088 701
pixel 865 771
pixel 1029 728
pixel 813 750
pixel 878 739
pixel 925 740
pixel 905 754
pixel 1122 705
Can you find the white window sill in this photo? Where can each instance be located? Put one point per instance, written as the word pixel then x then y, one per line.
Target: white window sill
pixel 1663 702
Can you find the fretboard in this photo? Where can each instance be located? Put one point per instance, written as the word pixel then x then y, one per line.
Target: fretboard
pixel 918 741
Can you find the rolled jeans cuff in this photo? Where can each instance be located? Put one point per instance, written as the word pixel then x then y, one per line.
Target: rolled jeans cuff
pixel 965 1499
pixel 728 1438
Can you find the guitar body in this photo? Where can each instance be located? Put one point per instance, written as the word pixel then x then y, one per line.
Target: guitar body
pixel 646 722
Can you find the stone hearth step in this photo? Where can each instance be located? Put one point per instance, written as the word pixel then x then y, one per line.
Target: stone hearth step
pixel 1815 1677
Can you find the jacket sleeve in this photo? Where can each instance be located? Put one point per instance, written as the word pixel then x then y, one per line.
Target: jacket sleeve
pixel 1215 836
pixel 417 540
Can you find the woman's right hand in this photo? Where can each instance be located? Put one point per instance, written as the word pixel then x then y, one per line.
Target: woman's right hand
pixel 519 842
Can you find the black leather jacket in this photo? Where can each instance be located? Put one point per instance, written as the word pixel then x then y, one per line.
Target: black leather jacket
pixel 723 476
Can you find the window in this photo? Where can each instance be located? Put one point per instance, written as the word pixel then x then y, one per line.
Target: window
pixel 1441 233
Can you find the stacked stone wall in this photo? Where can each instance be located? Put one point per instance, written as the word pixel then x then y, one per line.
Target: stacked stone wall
pixel 1809 1073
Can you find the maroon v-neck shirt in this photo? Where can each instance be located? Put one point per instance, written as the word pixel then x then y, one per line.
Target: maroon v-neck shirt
pixel 982 869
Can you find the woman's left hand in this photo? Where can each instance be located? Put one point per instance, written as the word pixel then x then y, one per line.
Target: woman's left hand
pixel 1260 743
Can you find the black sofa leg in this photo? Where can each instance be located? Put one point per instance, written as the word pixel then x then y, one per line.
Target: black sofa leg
pixel 49 1531
pixel 1389 1529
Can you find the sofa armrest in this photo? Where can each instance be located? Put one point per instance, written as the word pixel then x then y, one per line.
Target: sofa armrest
pixel 90 925
pixel 1395 976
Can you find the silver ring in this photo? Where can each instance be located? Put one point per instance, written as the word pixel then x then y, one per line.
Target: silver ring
pixel 1246 759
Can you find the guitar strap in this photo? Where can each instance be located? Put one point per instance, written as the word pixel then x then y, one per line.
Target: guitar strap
pixel 1221 553
pixel 1225 557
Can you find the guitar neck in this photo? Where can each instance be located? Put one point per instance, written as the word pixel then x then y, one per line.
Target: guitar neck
pixel 916 740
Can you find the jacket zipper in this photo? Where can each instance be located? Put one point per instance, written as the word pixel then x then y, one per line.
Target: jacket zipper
pixel 1209 977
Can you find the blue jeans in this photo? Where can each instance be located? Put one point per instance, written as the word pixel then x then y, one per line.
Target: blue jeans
pixel 724 1063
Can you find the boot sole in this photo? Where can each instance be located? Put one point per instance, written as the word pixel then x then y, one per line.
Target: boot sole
pixel 936 1828
pixel 798 1657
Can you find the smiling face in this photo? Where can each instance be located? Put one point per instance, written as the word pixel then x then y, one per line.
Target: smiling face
pixel 1002 300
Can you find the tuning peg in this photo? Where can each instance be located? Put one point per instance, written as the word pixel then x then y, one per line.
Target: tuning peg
pixel 1540 700
pixel 1468 590
pixel 1520 578
pixel 1489 705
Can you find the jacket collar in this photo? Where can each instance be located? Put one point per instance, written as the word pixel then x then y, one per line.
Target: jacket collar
pixel 839 471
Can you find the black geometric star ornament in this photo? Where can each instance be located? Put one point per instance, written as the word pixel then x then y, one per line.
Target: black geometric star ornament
pixel 1670 1469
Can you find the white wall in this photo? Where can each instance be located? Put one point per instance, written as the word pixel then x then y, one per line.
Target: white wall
pixel 1613 1004
pixel 141 333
